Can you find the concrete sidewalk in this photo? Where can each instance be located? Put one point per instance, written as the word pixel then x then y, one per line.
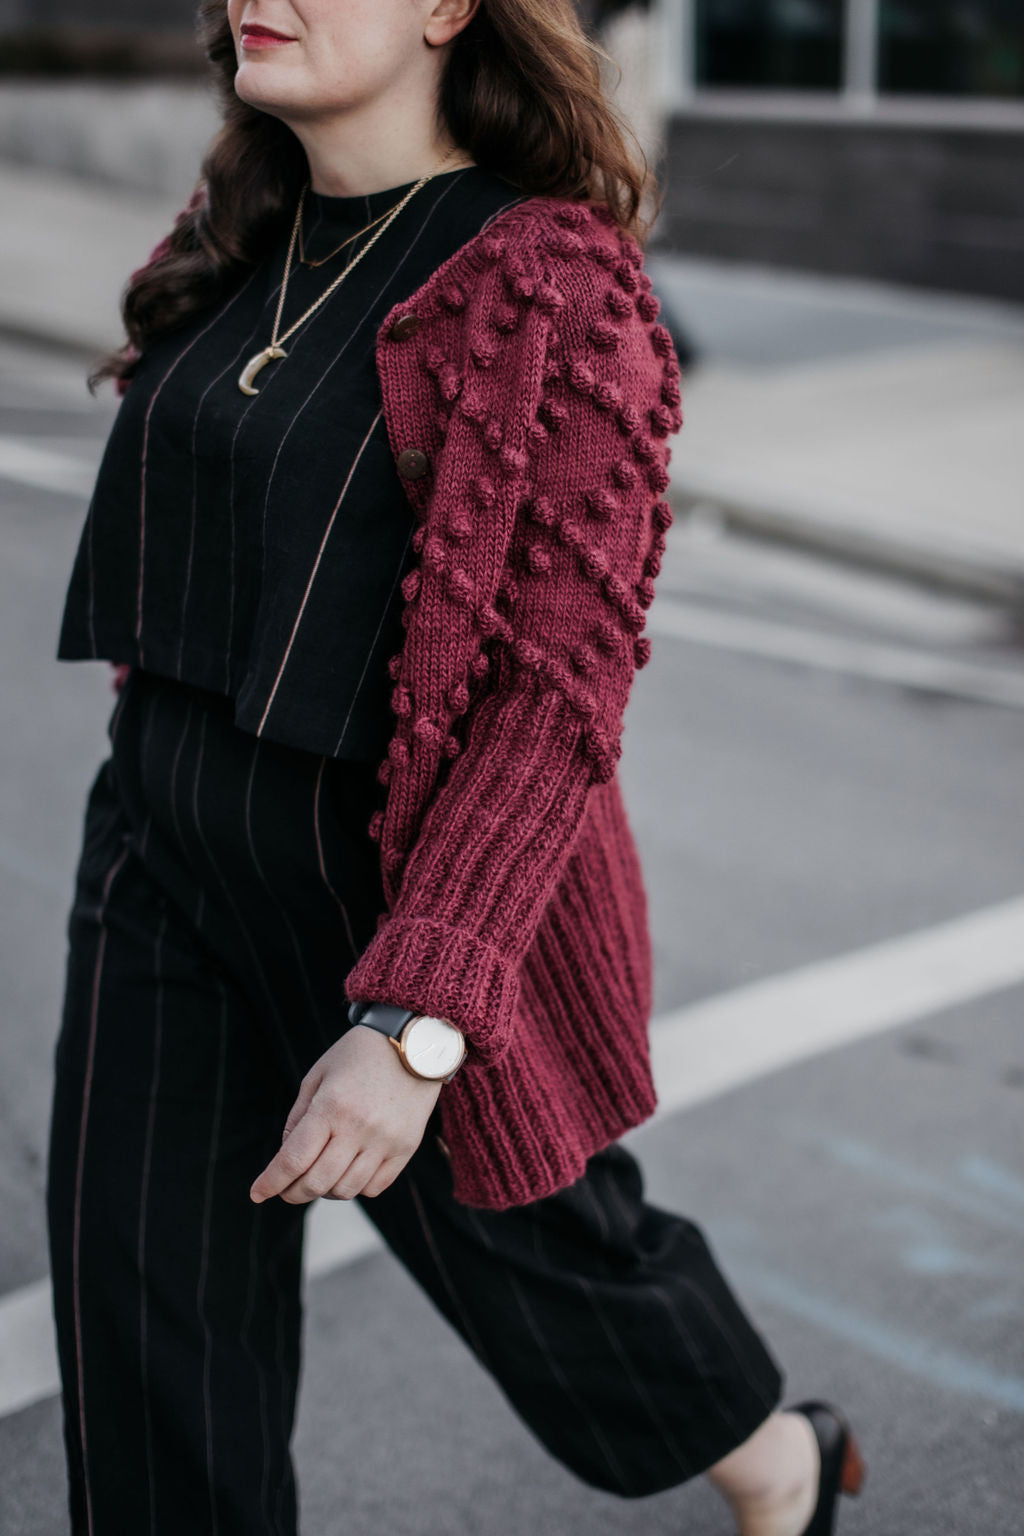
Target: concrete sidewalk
pixel 883 425
pixel 875 424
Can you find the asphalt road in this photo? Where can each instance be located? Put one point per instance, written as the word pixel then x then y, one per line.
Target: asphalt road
pixel 866 1201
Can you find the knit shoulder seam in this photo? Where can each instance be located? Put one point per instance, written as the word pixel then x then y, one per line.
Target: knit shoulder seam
pixel 517 234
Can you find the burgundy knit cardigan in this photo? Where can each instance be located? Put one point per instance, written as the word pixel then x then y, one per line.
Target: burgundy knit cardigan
pixel 539 395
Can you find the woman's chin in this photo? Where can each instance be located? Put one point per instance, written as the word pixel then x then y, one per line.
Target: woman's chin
pixel 268 85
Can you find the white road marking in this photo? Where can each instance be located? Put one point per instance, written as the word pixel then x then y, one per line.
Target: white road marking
pixel 895 664
pixel 337 1233
pixel 710 1047
pixel 28 1351
pixel 698 1051
pixel 45 468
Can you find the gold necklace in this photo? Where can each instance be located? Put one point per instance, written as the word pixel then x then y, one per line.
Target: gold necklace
pixel 275 351
pixel 304 259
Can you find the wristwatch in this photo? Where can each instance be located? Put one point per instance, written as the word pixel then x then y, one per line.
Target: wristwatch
pixel 429 1047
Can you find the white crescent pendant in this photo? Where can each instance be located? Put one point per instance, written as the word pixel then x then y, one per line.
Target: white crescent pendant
pixel 255 366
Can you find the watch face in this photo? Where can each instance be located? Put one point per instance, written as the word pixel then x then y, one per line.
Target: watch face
pixel 433 1048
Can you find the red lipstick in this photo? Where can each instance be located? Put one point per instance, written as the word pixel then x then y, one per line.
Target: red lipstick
pixel 253 36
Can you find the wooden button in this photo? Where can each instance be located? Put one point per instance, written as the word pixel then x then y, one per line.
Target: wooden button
pixel 412 463
pixel 404 327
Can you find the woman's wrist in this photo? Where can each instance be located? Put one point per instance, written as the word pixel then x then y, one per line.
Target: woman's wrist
pixel 429 1045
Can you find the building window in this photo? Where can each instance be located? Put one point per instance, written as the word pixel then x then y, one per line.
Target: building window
pixel 952 47
pixel 772 44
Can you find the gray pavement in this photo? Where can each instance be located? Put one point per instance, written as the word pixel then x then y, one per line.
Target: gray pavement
pixel 867 1202
pixel 874 424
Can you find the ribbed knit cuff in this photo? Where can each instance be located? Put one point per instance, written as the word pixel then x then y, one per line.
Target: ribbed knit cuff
pixel 443 971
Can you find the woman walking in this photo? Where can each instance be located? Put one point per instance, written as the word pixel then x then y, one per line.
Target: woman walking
pixel 358 912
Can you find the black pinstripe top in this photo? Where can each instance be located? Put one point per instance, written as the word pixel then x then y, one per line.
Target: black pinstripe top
pixel 254 546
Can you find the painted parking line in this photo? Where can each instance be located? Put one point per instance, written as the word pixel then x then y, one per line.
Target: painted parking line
pixel 918 1354
pixel 901 666
pixel 698 1052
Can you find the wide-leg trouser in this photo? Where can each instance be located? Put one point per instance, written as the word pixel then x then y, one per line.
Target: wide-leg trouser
pixel 605 1320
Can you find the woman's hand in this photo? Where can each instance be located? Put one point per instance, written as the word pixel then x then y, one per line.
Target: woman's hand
pixel 359 1117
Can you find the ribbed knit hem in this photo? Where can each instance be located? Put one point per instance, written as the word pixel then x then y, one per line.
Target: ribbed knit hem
pixel 511 1143
pixel 444 971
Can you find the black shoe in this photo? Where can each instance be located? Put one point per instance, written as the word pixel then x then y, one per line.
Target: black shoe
pixel 842 1466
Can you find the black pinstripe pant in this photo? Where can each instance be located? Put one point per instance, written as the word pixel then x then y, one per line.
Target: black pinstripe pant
pixel 225 887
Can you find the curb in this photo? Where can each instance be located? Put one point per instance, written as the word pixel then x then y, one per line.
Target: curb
pixel 852 536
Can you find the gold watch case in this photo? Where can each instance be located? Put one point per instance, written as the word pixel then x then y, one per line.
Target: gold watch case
pixel 420 1043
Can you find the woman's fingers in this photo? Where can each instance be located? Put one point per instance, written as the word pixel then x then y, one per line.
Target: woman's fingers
pixel 297 1155
pixel 385 1176
pixel 338 1175
pixel 357 1096
pixel 360 1170
pixel 307 1088
pixel 328 1168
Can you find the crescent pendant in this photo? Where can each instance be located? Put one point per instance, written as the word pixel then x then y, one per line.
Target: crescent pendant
pixel 255 365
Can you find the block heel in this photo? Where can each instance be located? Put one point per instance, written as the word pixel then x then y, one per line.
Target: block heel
pixel 842 1465
pixel 852 1474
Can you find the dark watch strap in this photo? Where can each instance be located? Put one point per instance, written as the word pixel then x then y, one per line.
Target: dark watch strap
pixel 388 1018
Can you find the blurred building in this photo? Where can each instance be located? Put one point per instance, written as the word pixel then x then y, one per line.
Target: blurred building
pixel 95 14
pixel 112 36
pixel 878 138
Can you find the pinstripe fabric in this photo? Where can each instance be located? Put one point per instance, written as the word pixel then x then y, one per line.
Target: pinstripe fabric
pixel 223 884
pixel 76 1236
pixel 145 478
pixel 147 1164
pixel 226 533
pixel 304 602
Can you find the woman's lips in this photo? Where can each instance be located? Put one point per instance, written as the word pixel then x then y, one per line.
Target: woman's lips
pixel 263 37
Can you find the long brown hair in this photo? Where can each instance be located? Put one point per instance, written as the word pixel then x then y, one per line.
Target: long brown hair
pixel 520 92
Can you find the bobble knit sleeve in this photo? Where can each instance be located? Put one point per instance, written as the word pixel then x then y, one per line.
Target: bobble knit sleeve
pixel 587 542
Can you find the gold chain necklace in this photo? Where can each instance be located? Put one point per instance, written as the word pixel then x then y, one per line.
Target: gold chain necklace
pixel 304 259
pixel 275 351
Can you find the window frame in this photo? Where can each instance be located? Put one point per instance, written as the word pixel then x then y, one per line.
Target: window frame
pixel 674 60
